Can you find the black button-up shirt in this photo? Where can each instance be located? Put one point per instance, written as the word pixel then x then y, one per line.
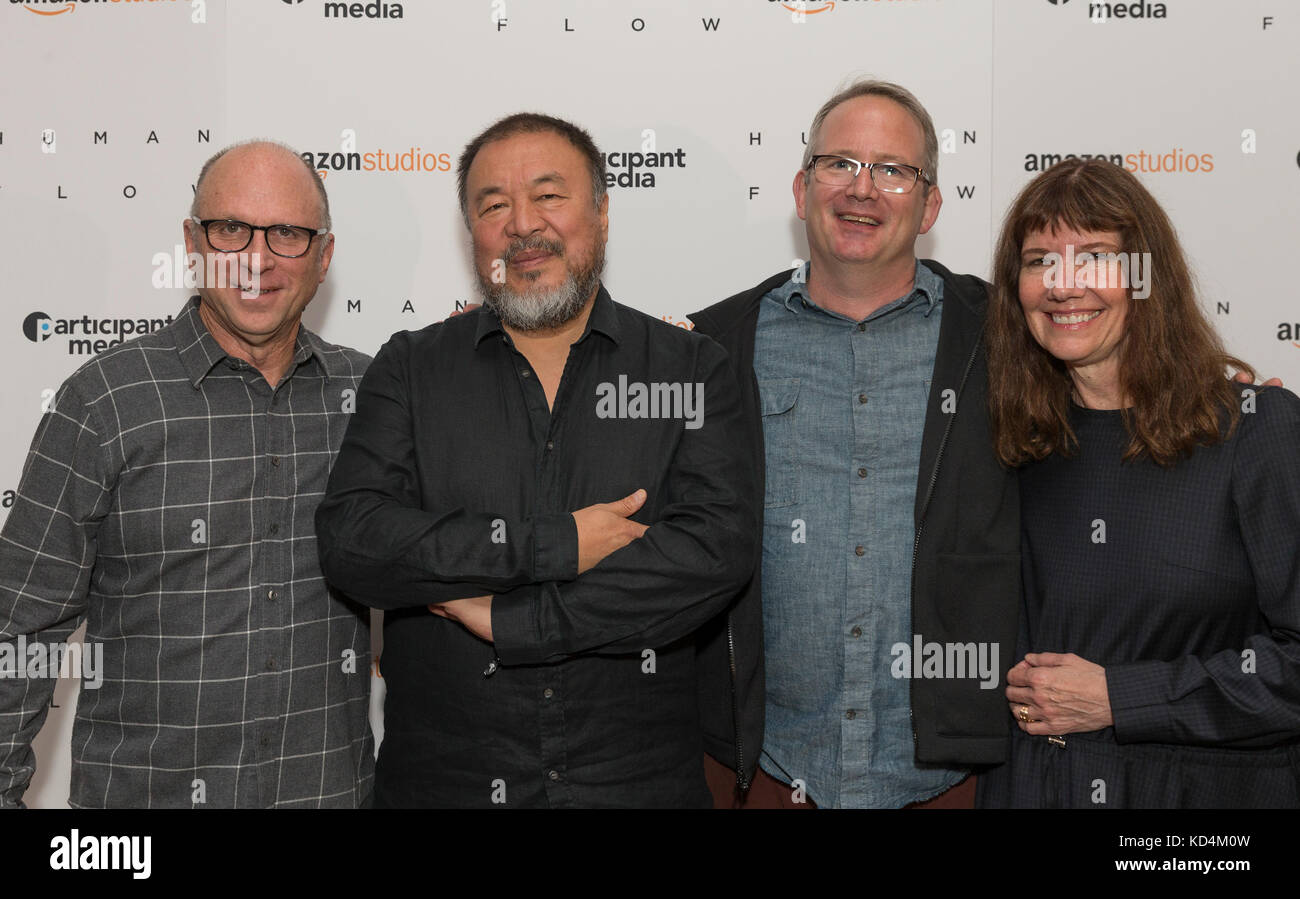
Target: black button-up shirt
pixel 456 480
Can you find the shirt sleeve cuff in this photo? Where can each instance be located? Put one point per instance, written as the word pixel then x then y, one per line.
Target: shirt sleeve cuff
pixel 555 548
pixel 1137 702
pixel 514 625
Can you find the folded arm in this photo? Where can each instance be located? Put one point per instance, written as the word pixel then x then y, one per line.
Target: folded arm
pixel 680 573
pixel 381 548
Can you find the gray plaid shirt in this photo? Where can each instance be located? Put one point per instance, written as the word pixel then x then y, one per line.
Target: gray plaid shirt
pixel 168 501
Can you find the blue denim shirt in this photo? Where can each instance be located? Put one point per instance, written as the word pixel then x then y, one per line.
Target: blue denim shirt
pixel 843 411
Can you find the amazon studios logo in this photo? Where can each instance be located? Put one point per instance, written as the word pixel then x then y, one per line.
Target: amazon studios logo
pixel 82 332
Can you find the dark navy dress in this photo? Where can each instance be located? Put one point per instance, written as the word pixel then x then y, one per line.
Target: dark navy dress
pixel 1184 583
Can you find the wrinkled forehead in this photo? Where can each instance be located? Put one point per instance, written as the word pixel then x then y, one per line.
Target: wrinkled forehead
pixel 272 185
pixel 873 124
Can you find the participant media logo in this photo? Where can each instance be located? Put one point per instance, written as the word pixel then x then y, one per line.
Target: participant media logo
pixel 1105 12
pixel 372 10
pixel 637 168
pixel 38 327
pixel 86 335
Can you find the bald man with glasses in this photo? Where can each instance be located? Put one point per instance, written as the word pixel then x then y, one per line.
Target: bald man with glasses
pixel 168 502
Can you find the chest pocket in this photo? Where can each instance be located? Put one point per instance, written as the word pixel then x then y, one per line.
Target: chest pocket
pixel 780 399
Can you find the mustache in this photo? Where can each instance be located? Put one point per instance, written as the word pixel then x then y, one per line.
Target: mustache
pixel 536 242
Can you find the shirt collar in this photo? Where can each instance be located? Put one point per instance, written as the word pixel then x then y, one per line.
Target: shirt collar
pixel 927 288
pixel 603 320
pixel 200 352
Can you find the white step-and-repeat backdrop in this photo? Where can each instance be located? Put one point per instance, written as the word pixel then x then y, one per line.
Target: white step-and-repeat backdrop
pixel 109 107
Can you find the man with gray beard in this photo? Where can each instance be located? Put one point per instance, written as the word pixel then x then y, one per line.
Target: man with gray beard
pixel 537 308
pixel 557 668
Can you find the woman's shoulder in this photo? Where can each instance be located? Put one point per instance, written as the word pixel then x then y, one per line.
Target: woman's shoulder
pixel 1270 402
pixel 1270 416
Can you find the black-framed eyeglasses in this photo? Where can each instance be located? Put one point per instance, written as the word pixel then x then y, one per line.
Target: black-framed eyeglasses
pixel 230 236
pixel 891 177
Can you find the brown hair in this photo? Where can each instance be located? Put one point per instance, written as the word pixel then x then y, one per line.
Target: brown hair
pixel 1172 363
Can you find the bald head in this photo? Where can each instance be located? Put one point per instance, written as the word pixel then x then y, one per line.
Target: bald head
pixel 261 158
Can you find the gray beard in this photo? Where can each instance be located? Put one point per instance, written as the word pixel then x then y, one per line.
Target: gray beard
pixel 540 309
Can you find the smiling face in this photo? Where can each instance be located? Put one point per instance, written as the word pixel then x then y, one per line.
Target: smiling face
pixel 262 185
pixel 1069 313
pixel 537 232
pixel 859 225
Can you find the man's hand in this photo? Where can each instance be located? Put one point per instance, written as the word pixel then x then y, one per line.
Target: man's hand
pixel 474 614
pixel 1242 378
pixel 1058 694
pixel 468 307
pixel 604 528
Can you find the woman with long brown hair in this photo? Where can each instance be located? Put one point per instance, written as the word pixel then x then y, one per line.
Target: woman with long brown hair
pixel 1159 658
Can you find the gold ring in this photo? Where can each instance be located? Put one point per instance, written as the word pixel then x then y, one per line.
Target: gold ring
pixel 1023 714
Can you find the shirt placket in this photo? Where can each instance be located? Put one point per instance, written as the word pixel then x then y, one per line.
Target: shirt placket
pixel 549 686
pixel 274 440
pixel 857 726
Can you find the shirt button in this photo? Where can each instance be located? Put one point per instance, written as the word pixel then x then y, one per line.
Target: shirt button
pixel 275 529
pixel 862 472
pixel 270 664
pixel 272 595
pixel 554 775
pixel 862 326
pixel 857 632
pixel 523 373
pixel 550 444
pixel 548 693
pixel 275 460
pixel 860 551
pixel 862 397
pixel 850 714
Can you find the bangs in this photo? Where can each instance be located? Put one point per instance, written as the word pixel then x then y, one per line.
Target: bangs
pixel 1082 198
